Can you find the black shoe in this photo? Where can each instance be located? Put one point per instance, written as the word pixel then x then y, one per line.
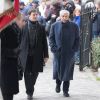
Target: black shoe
pixel 66 94
pixel 29 97
pixel 58 88
pixel 77 63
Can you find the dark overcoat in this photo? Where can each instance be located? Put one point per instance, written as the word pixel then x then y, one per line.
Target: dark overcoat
pixel 64 45
pixel 9 61
pixel 96 24
pixel 40 52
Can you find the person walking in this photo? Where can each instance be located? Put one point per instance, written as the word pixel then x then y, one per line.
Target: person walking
pixel 34 52
pixel 64 42
pixel 77 20
pixel 10 41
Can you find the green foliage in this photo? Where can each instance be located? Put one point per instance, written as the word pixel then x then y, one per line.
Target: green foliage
pixel 98 78
pixel 96 52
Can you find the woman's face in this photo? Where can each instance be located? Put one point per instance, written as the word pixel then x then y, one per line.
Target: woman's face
pixel 77 12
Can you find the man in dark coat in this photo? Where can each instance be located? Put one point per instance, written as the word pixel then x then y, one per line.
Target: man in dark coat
pixel 10 41
pixel 34 51
pixel 96 22
pixel 64 42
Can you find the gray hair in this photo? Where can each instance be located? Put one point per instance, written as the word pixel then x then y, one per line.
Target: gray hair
pixel 62 12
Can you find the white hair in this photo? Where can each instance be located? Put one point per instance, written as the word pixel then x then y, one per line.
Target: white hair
pixel 62 12
pixel 77 6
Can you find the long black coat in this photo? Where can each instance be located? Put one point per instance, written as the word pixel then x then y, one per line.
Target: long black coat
pixel 96 24
pixel 9 62
pixel 64 44
pixel 40 52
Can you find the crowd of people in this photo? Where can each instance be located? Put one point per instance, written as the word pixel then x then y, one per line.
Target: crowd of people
pixel 24 46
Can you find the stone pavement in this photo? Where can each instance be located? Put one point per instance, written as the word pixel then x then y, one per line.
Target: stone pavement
pixel 83 87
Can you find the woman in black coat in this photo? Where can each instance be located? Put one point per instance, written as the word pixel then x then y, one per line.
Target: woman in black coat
pixel 9 59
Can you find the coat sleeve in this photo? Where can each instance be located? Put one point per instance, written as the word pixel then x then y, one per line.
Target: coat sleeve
pixel 52 42
pixel 98 25
pixel 3 32
pixel 24 47
pixel 45 44
pixel 23 37
pixel 76 42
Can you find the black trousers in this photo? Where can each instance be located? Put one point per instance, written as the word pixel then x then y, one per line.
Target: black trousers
pixel 66 85
pixel 30 80
pixel 30 76
pixel 7 96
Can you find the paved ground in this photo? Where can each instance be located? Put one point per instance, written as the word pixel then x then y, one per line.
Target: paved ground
pixel 83 87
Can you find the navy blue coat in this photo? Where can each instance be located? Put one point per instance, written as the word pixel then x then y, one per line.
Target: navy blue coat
pixel 64 45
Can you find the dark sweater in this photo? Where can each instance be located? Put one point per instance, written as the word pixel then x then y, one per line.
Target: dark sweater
pixel 32 27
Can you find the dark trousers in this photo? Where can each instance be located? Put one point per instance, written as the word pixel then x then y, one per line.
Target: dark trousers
pixel 30 80
pixel 7 96
pixel 66 85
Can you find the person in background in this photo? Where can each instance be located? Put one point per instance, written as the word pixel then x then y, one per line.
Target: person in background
pixel 42 8
pixel 33 4
pixel 64 42
pixel 55 7
pixel 34 51
pixel 77 20
pixel 96 22
pixel 77 2
pixel 41 19
pixel 77 16
pixel 10 42
pixel 22 7
pixel 70 6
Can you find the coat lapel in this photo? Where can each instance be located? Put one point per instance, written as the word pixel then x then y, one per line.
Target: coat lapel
pixel 59 29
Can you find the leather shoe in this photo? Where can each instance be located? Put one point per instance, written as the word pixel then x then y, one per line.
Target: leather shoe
pixel 66 94
pixel 58 89
pixel 29 97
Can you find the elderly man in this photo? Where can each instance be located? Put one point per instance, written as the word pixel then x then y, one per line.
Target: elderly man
pixel 64 42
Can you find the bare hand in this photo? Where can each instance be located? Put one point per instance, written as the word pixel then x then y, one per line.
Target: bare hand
pixel 45 60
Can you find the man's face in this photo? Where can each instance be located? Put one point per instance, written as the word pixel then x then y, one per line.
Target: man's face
pixel 64 17
pixel 20 22
pixel 21 7
pixel 33 16
pixel 64 2
pixel 43 3
pixel 34 5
